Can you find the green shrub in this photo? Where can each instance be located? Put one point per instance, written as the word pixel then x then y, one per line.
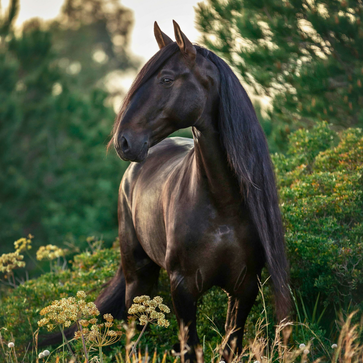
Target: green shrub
pixel 321 190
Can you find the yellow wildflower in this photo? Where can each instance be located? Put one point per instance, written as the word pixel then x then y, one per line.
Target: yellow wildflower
pixel 10 261
pixel 65 311
pixel 49 252
pixel 145 309
pixel 23 244
pixel 81 294
pixel 108 317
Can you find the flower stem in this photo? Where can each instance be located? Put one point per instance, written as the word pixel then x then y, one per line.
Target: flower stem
pixel 100 353
pixel 83 342
pixel 63 343
pixel 66 343
pixel 12 274
pixel 16 358
pixel 133 350
pixel 35 262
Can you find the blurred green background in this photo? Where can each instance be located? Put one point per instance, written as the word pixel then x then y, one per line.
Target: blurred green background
pixel 57 181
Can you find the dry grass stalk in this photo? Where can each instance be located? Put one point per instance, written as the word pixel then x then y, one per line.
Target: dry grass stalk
pixel 349 349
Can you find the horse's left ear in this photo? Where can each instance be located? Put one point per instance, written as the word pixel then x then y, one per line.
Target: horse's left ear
pixel 184 43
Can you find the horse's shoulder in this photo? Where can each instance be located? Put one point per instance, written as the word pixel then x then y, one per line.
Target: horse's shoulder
pixel 167 152
pixel 173 144
pixel 160 158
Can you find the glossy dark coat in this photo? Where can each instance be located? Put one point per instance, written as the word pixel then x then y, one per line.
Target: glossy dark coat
pixel 206 210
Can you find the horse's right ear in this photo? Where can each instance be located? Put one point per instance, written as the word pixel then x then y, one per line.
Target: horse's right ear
pixel 185 45
pixel 162 39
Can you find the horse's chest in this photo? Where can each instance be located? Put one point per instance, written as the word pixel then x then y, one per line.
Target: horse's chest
pixel 206 232
pixel 211 249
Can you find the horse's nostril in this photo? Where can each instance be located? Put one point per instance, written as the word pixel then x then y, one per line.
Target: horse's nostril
pixel 124 144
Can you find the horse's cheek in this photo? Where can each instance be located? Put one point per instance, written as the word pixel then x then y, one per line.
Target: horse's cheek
pixel 187 105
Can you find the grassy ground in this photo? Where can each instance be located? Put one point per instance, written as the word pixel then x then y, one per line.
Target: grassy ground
pixel 21 309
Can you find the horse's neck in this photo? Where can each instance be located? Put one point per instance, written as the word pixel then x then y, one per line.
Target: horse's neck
pixel 211 163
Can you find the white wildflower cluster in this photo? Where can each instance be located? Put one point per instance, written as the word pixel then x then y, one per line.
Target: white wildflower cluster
pixel 66 311
pixel 44 354
pixel 145 309
pixel 302 346
pixel 49 252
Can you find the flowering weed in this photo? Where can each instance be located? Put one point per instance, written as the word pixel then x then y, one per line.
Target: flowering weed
pixel 146 310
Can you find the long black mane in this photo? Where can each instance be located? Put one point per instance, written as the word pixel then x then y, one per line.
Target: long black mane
pixel 247 152
pixel 248 155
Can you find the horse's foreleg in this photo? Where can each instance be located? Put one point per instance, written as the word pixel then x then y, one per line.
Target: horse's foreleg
pixel 185 306
pixel 141 273
pixel 142 281
pixel 239 306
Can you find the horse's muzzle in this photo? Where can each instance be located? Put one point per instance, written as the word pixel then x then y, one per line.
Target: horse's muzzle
pixel 131 151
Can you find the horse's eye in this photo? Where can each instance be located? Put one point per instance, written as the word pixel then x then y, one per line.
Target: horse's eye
pixel 166 80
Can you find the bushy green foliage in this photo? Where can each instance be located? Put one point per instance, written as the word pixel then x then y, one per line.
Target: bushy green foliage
pixel 306 55
pixel 321 190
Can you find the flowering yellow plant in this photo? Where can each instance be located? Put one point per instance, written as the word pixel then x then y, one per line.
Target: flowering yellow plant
pixel 13 260
pixel 49 252
pixel 99 335
pixel 70 310
pixel 10 261
pixel 64 312
pixel 23 244
pixel 145 309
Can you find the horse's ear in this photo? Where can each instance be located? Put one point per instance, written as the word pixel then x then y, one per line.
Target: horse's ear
pixel 184 43
pixel 162 39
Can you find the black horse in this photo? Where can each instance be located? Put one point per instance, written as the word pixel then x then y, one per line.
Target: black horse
pixel 206 210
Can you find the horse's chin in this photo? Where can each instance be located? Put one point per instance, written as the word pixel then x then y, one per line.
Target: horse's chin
pixel 135 159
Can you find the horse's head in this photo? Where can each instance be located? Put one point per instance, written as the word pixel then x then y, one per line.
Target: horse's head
pixel 171 92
